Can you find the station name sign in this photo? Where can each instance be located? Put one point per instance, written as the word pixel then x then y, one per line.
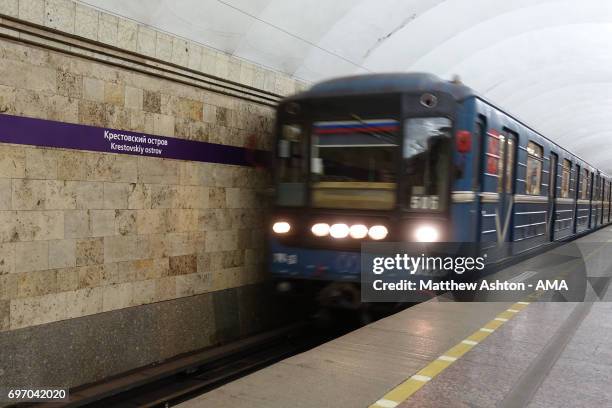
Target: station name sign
pixel 48 133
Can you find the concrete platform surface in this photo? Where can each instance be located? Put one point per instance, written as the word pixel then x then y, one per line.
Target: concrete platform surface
pixel 536 354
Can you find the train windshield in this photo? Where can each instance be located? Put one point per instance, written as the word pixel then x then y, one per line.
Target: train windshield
pixel 426 159
pixel 353 163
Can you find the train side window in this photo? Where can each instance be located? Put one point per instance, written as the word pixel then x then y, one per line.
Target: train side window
pixel 500 162
pixel 566 170
pixel 534 169
pixel 584 184
pixel 505 162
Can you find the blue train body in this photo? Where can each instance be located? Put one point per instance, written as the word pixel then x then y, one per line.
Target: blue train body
pixel 512 184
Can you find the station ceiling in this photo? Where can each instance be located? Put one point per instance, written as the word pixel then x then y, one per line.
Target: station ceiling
pixel 546 61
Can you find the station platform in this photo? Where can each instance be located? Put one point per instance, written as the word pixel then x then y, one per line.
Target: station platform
pixel 456 354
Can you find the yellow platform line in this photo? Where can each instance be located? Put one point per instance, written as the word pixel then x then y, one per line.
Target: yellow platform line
pixel 411 385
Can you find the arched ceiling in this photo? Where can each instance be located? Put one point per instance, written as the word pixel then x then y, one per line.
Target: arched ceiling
pixel 547 61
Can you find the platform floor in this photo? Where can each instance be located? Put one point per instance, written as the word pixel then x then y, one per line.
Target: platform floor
pixel 456 354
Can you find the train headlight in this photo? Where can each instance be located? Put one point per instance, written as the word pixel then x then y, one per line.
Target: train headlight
pixel 427 233
pixel 358 231
pixel 281 227
pixel 320 230
pixel 378 232
pixel 339 230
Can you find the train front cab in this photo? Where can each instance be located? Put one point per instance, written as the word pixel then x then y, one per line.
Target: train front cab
pixel 386 161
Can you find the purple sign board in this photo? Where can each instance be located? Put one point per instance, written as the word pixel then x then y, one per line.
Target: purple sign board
pixel 48 133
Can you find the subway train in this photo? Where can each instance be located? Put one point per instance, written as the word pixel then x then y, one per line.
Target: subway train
pixel 409 157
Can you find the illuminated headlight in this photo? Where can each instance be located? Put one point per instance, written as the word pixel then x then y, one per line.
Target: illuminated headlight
pixel 358 231
pixel 339 230
pixel 281 227
pixel 320 229
pixel 426 233
pixel 378 232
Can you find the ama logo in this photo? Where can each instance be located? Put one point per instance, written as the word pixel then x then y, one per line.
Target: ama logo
pixel 551 285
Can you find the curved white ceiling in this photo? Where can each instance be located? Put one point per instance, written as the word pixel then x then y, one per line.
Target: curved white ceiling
pixel 547 61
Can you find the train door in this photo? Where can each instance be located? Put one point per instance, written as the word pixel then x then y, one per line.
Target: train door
pixel 552 195
pixel 505 189
pixel 609 199
pixel 595 202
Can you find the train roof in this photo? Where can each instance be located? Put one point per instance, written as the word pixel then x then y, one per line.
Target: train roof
pixel 402 82
pixel 399 82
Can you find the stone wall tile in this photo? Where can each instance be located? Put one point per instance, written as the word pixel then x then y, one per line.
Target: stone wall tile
pixel 164 196
pixel 86 22
pixel 120 248
pixel 114 93
pixel 67 279
pixel 190 109
pixel 77 224
pixel 157 171
pixel 31 256
pixel 69 84
pixel 127 34
pixel 125 222
pixel 143 292
pixel 5 313
pixel 117 296
pixel 7 258
pixel 107 29
pixel 195 56
pixel 146 41
pixel 60 195
pixel 60 15
pixel 133 98
pixel 9 7
pixel 163 46
pixel 180 51
pixel 116 195
pixel 183 265
pixel 165 288
pixel 12 161
pixel 38 283
pixel 89 194
pixel 41 163
pixel 112 167
pixel 102 223
pixel 92 113
pixel 139 196
pixel 28 194
pixel 84 302
pixel 62 253
pixel 38 310
pixel 163 125
pixel 8 286
pixel 90 276
pixel 93 89
pixel 32 11
pixel 5 194
pixel 71 165
pixel 89 251
pixel 152 101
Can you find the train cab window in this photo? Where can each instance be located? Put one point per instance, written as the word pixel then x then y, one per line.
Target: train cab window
pixel 426 155
pixel 291 164
pixel 585 184
pixel 566 170
pixel 534 169
pixel 353 164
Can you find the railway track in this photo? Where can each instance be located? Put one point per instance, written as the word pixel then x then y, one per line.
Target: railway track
pixel 179 379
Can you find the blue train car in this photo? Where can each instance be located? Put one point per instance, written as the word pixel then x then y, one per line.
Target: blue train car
pixel 410 157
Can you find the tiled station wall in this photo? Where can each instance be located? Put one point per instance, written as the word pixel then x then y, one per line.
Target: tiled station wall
pixel 83 233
